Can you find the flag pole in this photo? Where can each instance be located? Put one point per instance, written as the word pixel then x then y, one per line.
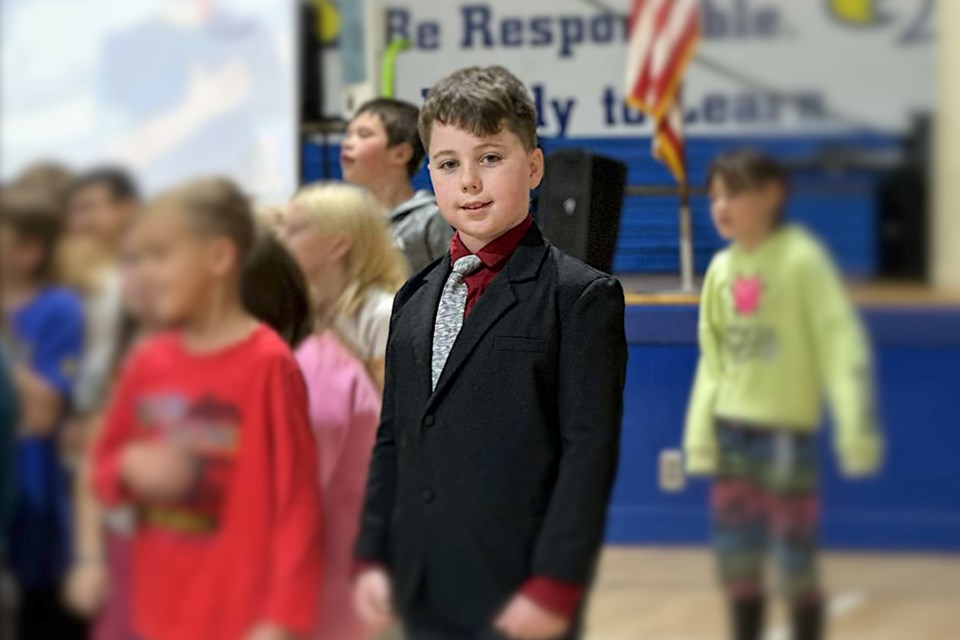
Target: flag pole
pixel 657 60
pixel 686 241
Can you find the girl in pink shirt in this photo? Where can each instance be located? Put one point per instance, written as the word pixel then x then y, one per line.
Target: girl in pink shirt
pixel 344 413
pixel 340 237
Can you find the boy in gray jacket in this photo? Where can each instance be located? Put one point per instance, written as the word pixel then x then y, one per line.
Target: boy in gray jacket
pixel 382 152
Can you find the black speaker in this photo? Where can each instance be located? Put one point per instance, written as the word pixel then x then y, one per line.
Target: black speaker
pixel 904 210
pixel 902 227
pixel 309 59
pixel 579 205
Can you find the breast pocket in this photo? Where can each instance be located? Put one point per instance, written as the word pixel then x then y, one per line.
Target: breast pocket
pixel 518 343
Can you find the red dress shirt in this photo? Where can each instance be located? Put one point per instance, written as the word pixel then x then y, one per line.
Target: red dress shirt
pixel 493 258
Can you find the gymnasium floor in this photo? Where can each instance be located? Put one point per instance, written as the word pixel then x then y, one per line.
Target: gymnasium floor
pixel 647 593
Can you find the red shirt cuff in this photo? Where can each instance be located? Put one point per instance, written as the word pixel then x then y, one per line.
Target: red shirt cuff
pixel 559 598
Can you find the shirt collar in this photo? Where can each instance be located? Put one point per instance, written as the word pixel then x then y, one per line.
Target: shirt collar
pixel 495 252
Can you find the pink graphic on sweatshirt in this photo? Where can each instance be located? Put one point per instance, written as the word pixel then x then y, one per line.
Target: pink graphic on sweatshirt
pixel 746 294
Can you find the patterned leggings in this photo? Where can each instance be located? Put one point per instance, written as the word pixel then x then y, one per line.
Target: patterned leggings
pixel 765 494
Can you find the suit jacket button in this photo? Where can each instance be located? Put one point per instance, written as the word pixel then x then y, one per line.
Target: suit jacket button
pixel 429 421
pixel 427 496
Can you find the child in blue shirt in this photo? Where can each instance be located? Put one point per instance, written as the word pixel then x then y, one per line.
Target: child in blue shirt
pixel 8 425
pixel 45 332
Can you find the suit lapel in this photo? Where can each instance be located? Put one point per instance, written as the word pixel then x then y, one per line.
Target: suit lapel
pixel 499 298
pixel 496 301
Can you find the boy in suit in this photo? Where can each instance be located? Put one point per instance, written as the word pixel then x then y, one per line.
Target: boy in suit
pixel 498 441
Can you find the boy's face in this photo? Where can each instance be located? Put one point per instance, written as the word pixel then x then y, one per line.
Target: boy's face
pixel 745 214
pixel 482 183
pixel 365 155
pixel 174 266
pixel 95 213
pixel 20 257
pixel 137 298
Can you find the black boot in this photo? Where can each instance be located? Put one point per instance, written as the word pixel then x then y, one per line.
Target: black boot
pixel 748 618
pixel 808 622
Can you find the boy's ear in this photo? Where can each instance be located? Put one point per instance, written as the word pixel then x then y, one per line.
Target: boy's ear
pixel 128 209
pixel 33 252
pixel 782 193
pixel 400 154
pixel 536 164
pixel 223 255
pixel 775 194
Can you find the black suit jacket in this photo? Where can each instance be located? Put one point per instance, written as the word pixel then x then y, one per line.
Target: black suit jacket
pixel 503 472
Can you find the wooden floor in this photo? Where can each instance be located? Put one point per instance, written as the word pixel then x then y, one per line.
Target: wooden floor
pixel 645 593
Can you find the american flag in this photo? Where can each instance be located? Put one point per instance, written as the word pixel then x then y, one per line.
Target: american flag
pixel 663 37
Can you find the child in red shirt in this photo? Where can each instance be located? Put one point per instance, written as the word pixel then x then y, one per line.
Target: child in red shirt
pixel 209 436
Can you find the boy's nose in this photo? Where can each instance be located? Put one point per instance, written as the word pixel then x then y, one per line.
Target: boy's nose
pixel 470 182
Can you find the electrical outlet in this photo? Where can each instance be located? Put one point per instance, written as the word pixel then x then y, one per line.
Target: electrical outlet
pixel 672 476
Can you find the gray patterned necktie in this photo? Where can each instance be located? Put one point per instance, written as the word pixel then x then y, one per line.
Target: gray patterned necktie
pixel 453 301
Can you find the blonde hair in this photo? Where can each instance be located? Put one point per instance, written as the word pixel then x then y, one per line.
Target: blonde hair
pixel 269 217
pixel 52 178
pixel 80 263
pixel 373 260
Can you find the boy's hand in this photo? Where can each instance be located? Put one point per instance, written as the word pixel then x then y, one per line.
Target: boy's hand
pixel 86 588
pixel 523 619
pixel 158 470
pixel 267 631
pixel 372 599
pixel 41 405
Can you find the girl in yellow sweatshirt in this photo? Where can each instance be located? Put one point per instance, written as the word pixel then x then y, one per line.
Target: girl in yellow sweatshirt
pixel 775 331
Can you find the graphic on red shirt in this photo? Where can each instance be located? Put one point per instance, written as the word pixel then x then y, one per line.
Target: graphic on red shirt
pixel 209 430
pixel 746 294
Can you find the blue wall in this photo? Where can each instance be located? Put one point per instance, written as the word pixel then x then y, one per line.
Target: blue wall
pixel 841 209
pixel 913 505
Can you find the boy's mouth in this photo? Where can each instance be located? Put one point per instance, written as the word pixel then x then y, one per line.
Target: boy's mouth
pixel 476 205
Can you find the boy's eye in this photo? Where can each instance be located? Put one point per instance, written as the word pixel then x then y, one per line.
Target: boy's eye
pixel 490 158
pixel 446 165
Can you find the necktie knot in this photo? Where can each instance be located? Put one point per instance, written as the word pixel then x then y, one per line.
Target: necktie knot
pixel 466 265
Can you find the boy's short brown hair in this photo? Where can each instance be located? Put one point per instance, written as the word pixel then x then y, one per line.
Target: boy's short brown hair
pixel 215 207
pixel 747 170
pixel 118 182
pixel 50 177
pixel 34 216
pixel 481 100
pixel 399 120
